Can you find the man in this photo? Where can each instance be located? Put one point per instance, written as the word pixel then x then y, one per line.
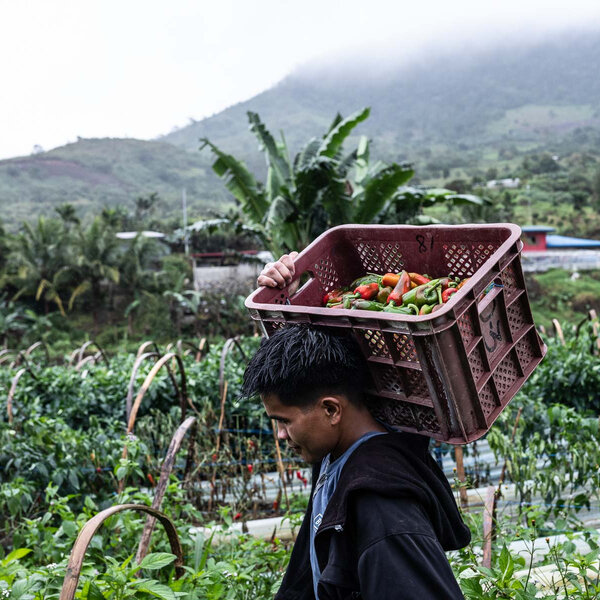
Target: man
pixel 381 512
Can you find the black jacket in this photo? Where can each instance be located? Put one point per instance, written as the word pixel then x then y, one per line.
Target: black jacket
pixel 385 529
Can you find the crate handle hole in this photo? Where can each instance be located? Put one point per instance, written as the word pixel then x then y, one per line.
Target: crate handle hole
pixel 305 280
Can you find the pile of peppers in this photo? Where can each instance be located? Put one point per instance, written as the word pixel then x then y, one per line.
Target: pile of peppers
pixel 399 293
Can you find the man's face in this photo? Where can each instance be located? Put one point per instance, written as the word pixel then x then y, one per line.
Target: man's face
pixel 308 431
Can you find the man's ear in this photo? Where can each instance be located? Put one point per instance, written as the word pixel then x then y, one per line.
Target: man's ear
pixel 333 408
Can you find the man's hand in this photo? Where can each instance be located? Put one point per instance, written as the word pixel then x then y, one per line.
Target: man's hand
pixel 280 273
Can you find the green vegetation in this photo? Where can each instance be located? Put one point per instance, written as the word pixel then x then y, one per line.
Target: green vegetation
pixel 61 461
pixel 321 188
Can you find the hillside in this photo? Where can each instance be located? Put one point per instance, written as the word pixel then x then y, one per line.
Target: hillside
pixel 92 173
pixel 505 95
pixel 444 113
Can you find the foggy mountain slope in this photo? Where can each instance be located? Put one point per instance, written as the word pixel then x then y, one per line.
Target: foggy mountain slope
pixel 457 102
pixel 452 98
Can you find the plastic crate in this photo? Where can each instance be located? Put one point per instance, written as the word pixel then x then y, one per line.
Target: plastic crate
pixel 448 374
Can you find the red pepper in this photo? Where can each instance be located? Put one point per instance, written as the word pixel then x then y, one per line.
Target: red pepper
pixel 418 278
pixel 367 291
pixel 332 295
pixel 401 288
pixel 447 293
pixel 250 468
pixel 237 516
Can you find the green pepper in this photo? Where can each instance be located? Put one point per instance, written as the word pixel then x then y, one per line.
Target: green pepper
pixel 422 294
pixel 347 300
pixel 366 305
pixel 410 309
pixel 426 309
pixel 383 294
pixel 366 279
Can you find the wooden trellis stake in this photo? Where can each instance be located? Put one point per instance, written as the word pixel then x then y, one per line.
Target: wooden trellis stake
pixel 280 465
pixel 136 366
pixel 13 388
pixel 145 345
pixel 489 520
pixel 159 492
pixel 88 531
pixel 213 480
pixel 559 331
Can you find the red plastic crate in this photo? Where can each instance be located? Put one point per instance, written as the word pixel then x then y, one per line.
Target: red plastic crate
pixel 448 374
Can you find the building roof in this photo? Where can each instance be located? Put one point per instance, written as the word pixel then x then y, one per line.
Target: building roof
pixel 536 229
pixel 562 241
pixel 129 235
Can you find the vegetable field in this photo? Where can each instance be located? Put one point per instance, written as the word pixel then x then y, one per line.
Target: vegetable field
pixel 99 443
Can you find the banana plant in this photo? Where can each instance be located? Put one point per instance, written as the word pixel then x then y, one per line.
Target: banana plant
pixel 320 188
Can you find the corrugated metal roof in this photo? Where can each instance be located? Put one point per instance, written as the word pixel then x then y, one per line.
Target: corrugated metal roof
pixel 562 241
pixel 536 229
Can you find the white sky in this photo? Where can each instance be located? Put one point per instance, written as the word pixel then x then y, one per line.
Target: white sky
pixel 137 68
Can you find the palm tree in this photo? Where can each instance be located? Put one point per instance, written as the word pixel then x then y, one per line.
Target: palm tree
pixel 320 188
pixel 96 264
pixel 39 261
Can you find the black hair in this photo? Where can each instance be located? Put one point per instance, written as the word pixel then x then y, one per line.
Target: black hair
pixel 301 363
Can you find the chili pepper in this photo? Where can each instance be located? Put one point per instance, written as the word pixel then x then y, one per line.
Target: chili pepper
pixel 426 309
pixel 151 479
pixel 419 279
pixel 237 516
pixel 447 293
pixel 411 309
pixel 338 305
pixel 333 295
pixel 390 279
pixel 275 505
pixel 368 291
pixel 383 294
pixel 347 300
pixel 402 287
pixel 366 305
pixel 462 283
pixel 366 279
pixel 447 282
pixel 423 294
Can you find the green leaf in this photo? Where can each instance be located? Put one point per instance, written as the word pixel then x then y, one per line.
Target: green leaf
pixel 157 560
pixel 70 528
pixel 276 158
pixel 336 136
pixel 16 554
pixel 157 589
pixel 239 181
pixel 379 190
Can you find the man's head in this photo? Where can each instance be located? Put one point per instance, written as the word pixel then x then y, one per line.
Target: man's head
pixel 312 383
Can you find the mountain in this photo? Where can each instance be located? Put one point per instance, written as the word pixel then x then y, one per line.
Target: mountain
pixel 446 105
pixel 516 93
pixel 92 173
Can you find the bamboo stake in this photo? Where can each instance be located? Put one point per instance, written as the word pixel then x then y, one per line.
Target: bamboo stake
pixel 460 473
pixel 218 445
pixel 280 465
pixel 559 331
pixel 11 392
pixel 489 519
pixel 88 531
pixel 595 329
pixel 165 474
